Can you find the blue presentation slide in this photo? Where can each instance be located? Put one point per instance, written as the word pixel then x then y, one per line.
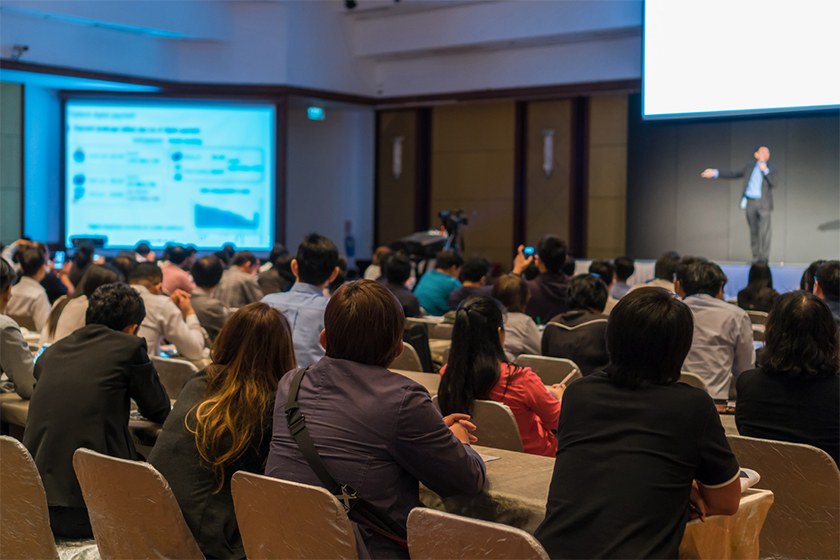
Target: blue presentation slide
pixel 170 171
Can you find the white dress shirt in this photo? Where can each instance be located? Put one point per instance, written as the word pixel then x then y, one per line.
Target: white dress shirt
pixel 722 347
pixel 164 320
pixel 72 318
pixel 29 299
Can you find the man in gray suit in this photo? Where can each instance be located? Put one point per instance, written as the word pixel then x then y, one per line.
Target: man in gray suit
pixel 759 179
pixel 212 313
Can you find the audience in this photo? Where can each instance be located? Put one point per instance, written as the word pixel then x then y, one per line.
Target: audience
pixel 478 369
pixel 144 253
pixel 434 287
pixel 723 338
pixel 276 275
pixel 548 288
pixel 795 393
pixel 303 305
pixel 759 294
pixel 15 358
pixel 340 278
pixel 124 262
pixel 569 266
pixel 663 272
pixel 397 273
pixel 86 382
pixel 809 275
pixel 624 269
pixel 29 300
pixel 374 271
pixel 632 441
pixel 222 423
pixel 55 281
pixel 81 260
pixel 474 274
pixel 172 317
pixel 605 270
pixel 376 431
pixel 827 286
pixel 174 276
pixel 212 313
pixel 579 334
pixel 68 314
pixel 522 336
pixel 239 286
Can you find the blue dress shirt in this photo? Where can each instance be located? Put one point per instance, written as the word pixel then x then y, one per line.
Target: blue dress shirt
pixel 754 186
pixel 304 306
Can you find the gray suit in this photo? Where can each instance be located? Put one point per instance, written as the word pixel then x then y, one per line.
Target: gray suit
pixel 211 313
pixel 758 210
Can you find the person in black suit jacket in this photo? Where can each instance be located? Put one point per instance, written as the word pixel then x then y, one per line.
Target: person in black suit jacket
pixel 757 199
pixel 83 398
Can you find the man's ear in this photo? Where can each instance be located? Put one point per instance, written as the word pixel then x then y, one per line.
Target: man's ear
pixel 295 269
pixel 322 338
pixel 817 290
pixel 131 329
pixel 333 276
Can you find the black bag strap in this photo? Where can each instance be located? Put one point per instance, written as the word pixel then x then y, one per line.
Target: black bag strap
pixel 358 508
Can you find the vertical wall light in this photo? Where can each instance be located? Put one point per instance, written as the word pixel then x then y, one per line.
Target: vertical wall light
pixel 396 156
pixel 548 151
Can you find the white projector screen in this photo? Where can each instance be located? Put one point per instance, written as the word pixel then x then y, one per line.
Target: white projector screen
pixel 720 57
pixel 193 172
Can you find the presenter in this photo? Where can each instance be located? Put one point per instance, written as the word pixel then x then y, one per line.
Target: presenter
pixel 759 179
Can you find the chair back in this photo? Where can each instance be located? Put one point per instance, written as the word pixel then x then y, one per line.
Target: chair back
pixel 804 521
pixel 757 317
pixel 173 374
pixel 435 534
pixel 24 322
pixel 442 331
pixel 495 425
pixel 132 510
pixel 283 519
pixel 417 334
pixel 408 360
pixel 24 518
pixel 758 333
pixel 550 370
pixel 692 379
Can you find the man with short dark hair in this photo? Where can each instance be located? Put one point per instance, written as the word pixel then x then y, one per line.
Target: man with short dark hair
pixel 29 299
pixel 239 285
pixel 474 274
pixel 624 269
pixel 315 267
pixel 722 346
pixel 605 270
pixel 397 270
pixel 174 276
pixel 15 357
pixel 144 253
pixel 663 272
pixel 86 382
pixel 212 313
pixel 827 286
pixel 548 289
pixel 434 286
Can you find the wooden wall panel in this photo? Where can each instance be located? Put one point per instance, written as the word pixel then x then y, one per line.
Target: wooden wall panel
pixel 396 196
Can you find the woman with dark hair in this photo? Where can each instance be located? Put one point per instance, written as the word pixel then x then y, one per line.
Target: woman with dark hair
pixel 276 274
pixel 759 294
pixel 795 393
pixel 81 261
pixel 635 447
pixel 479 369
pixel 522 336
pixel 68 313
pixel 221 424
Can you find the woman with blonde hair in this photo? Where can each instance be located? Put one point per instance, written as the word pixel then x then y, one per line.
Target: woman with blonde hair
pixel 221 424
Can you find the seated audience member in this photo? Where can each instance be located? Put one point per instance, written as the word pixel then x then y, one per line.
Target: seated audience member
pixel 663 272
pixel 340 279
pixel 239 286
pixel 795 395
pixel 86 382
pixel 474 273
pixel 174 276
pixel 398 271
pixel 376 431
pixel 548 289
pixel 605 270
pixel 29 299
pixel 809 275
pixel 172 317
pixel 580 334
pixel 277 251
pixel 55 281
pixel 827 286
pixel 522 336
pixel 192 256
pixel 15 358
pixel 303 305
pixel 68 314
pixel 678 271
pixel 212 314
pixel 221 424
pixel 276 275
pixel 434 287
pixel 624 269
pixel 723 336
pixel 144 253
pixel 478 369
pixel 124 262
pixel 759 294
pixel 81 260
pixel 634 446
pixel 374 271
pixel 569 266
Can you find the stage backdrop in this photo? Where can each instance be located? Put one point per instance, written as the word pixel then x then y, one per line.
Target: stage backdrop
pixel 670 207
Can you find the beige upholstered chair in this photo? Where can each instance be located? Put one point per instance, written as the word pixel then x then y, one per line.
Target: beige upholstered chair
pixel 804 521
pixel 550 370
pixel 173 374
pixel 408 360
pixel 282 519
pixel 495 425
pixel 757 317
pixel 25 322
pixel 434 534
pixel 693 379
pixel 442 331
pixel 132 509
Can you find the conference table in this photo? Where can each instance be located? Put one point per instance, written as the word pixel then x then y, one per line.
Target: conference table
pixel 517 491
